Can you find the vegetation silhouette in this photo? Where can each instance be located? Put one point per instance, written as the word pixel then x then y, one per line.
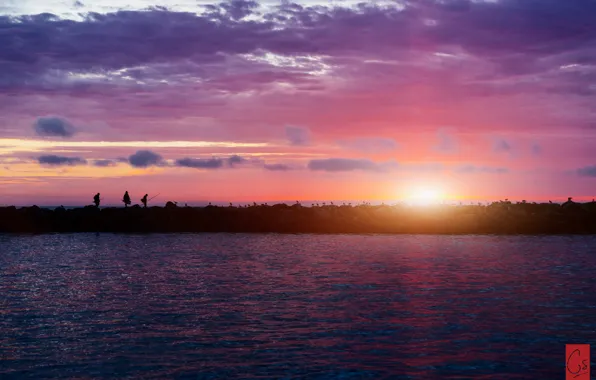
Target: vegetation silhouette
pixel 502 217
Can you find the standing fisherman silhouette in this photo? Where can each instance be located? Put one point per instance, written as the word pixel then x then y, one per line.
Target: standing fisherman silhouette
pixel 144 200
pixel 96 200
pixel 126 199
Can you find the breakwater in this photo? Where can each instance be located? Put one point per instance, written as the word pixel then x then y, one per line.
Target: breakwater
pixel 497 218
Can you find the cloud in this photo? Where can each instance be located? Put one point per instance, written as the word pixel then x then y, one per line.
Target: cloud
pixel 298 136
pixel 106 163
pixel 501 146
pixel 54 127
pixel 447 143
pixel 238 9
pixel 277 167
pixel 200 163
pixel 425 167
pixel 213 163
pixel 347 164
pixel 291 64
pixel 541 36
pixel 588 171
pixel 292 28
pixel 235 159
pixel 54 160
pixel 144 159
pixel 370 144
pixel 536 149
pixel 480 169
pixel 316 58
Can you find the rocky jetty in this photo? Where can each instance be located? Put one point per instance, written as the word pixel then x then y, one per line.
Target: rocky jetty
pixel 496 218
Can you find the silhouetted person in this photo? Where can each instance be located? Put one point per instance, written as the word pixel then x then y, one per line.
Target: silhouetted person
pixel 126 199
pixel 96 200
pixel 144 201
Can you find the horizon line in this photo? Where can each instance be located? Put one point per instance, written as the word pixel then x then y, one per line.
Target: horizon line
pixel 199 203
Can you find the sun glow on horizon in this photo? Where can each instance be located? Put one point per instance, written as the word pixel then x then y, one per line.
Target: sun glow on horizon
pixel 425 195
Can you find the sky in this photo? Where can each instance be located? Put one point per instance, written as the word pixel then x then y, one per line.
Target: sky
pixel 243 101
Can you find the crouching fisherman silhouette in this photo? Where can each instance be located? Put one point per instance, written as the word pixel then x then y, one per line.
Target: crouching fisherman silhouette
pixel 96 200
pixel 144 201
pixel 126 199
pixel 571 206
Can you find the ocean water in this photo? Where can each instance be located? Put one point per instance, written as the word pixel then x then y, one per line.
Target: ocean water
pixel 217 306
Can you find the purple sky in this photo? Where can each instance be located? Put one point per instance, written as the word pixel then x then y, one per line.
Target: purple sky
pixel 241 100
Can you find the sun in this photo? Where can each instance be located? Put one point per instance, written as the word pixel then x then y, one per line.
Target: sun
pixel 423 196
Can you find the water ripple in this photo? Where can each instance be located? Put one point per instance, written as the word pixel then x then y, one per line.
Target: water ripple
pixel 293 306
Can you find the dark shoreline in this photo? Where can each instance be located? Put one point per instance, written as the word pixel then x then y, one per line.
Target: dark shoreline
pixel 498 219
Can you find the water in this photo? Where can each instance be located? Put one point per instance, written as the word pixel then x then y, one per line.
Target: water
pixel 293 306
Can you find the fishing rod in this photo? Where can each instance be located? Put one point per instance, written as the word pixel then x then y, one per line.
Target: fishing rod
pixel 153 197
